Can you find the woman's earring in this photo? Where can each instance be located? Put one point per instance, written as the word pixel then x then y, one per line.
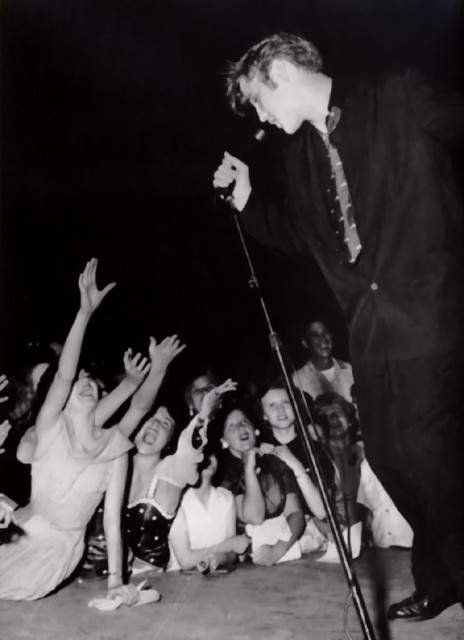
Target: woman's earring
pixel 257 432
pixel 224 444
pixel 191 411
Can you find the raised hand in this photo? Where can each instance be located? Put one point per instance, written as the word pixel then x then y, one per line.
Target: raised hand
pixel 284 453
pixel 163 353
pixel 3 384
pixel 160 356
pixel 91 296
pixel 210 564
pixel 212 398
pixel 5 427
pixel 136 367
pixel 232 170
pixel 266 448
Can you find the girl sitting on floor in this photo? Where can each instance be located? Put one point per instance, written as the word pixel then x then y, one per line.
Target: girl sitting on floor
pixel 157 482
pixel 204 531
pixel 74 463
pixel 265 489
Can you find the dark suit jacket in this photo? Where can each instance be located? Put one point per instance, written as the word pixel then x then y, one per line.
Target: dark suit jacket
pixel 401 297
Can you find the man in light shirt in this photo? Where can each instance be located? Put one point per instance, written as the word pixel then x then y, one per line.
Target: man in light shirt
pixel 322 373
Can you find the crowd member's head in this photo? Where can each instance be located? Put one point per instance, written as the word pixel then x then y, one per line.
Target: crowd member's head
pixel 84 396
pixel 337 418
pixel 279 78
pixel 156 433
pixel 317 339
pixel 276 407
pixel 197 388
pixel 24 385
pixel 237 422
pixel 277 410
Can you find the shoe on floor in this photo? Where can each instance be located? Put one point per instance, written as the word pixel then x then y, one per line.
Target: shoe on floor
pixel 420 607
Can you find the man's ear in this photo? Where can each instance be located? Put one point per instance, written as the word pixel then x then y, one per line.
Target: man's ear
pixel 279 71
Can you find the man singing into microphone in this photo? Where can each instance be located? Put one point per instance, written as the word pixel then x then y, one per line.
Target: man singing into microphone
pixel 370 193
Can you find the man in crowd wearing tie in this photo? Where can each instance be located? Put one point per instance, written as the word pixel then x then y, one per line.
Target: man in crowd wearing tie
pixel 370 192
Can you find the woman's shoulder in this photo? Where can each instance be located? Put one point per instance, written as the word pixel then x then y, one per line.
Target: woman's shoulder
pixel 224 494
pixel 116 445
pixel 47 443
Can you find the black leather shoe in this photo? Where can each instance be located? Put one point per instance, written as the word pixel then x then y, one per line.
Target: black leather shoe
pixel 419 607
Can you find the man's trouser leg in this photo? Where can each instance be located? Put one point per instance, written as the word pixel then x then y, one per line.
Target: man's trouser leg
pixel 410 414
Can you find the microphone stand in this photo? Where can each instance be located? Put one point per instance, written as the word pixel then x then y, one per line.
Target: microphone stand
pixel 350 575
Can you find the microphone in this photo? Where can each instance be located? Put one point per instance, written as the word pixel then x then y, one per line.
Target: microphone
pixel 225 193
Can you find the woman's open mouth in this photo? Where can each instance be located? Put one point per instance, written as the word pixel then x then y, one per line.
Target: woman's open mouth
pixel 150 436
pixel 87 392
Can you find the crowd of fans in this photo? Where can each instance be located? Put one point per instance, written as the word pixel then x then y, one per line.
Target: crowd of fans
pixel 120 484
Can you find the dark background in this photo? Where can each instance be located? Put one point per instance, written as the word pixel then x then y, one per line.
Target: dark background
pixel 112 122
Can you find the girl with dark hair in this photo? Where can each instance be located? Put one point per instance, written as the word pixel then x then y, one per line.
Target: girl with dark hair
pixel 204 380
pixel 265 490
pixel 204 531
pixel 157 482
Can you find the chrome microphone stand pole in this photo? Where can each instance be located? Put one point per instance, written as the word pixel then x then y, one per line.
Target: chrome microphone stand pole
pixel 346 562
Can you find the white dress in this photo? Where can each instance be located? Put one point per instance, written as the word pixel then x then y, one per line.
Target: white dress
pixel 206 525
pixel 389 528
pixel 65 492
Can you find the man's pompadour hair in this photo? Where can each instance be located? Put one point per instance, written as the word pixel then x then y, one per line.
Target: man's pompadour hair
pixel 258 59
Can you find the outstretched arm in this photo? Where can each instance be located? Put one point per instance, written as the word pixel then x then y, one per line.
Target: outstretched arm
pixel 181 468
pixel 210 403
pixel 307 487
pixel 136 368
pixel 161 356
pixel 91 297
pixel 112 527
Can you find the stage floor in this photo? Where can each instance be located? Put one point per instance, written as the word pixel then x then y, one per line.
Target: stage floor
pixel 301 599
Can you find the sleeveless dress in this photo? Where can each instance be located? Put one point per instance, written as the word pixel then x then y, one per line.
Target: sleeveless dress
pixel 208 524
pixel 66 489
